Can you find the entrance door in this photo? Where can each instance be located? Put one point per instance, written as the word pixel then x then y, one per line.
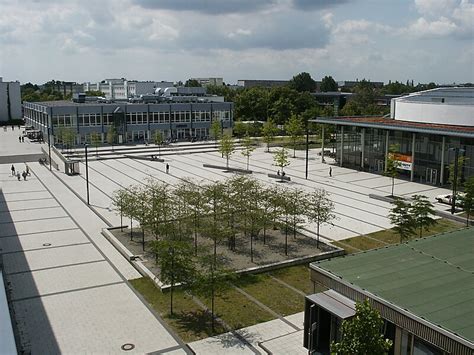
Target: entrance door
pixel 181 134
pixel 431 176
pixel 379 166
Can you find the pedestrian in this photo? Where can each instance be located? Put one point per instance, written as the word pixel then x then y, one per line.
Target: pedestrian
pixel 19 139
pixel 13 170
pixel 330 171
pixel 278 172
pixel 24 175
pixel 27 170
pixel 23 139
pixel 167 168
pixel 18 176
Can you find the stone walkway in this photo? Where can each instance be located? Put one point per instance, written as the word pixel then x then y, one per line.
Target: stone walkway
pixel 67 285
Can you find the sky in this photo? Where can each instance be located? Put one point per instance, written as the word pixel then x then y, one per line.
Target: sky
pixel 380 40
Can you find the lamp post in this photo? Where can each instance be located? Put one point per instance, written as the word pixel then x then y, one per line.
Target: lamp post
pixel 455 177
pixel 87 175
pixel 49 147
pixel 171 252
pixel 307 148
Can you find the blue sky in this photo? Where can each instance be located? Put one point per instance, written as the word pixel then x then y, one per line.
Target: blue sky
pixel 381 40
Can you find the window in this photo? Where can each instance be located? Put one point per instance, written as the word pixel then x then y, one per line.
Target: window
pixel 61 120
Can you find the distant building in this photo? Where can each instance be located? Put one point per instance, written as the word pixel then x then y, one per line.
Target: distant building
pixel 123 89
pixel 209 81
pixel 10 100
pixel 66 87
pixel 422 289
pixel 351 84
pixel 179 113
pixel 262 83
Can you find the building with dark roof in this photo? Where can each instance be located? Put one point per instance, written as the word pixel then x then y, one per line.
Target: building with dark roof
pixel 423 289
pixel 425 131
pixel 174 115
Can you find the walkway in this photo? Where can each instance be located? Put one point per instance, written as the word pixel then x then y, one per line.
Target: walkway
pixel 67 285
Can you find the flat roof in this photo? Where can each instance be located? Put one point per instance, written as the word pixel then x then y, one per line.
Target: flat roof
pixel 334 302
pixel 432 278
pixel 62 103
pixel 392 124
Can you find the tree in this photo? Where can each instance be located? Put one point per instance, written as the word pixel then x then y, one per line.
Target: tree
pixel 319 209
pixel 252 104
pixel 269 132
pixel 111 136
pixel 294 128
pixel 362 334
pixel 216 130
pixel 303 82
pixel 96 139
pixel 392 165
pixel 422 212
pixel 211 280
pixel 192 83
pixel 68 137
pixel 158 140
pixel 176 264
pixel 226 147
pixel 467 199
pixel 400 215
pixel 328 84
pixel 248 148
pixel 240 129
pixel 281 160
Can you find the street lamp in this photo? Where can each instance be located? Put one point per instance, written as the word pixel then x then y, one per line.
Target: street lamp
pixel 455 177
pixel 87 175
pixel 49 147
pixel 307 148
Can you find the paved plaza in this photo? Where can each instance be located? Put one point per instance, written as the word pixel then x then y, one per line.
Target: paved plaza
pixel 68 285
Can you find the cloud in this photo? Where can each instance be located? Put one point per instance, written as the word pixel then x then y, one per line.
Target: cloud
pixel 317 4
pixel 212 7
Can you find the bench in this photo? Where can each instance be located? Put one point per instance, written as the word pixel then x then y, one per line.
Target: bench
pixel 279 177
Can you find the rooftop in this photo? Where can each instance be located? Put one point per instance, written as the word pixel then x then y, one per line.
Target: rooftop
pixel 431 278
pixel 450 95
pixel 388 123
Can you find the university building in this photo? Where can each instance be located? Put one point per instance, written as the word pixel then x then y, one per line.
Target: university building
pixel 425 131
pixel 170 112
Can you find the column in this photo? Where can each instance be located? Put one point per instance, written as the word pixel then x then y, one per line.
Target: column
pixel 386 151
pixel 342 145
pixel 322 143
pixel 441 171
pixel 412 172
pixel 362 147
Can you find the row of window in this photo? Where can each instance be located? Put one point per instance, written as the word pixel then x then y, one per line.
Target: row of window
pixel 94 119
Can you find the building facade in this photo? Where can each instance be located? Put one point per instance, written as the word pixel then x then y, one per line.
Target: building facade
pixel 131 122
pixel 10 100
pixel 209 81
pixel 420 288
pixel 245 83
pixel 123 89
pixel 424 140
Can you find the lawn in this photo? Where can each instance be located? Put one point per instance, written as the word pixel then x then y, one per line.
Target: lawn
pixel 389 236
pixel 296 276
pixel 279 298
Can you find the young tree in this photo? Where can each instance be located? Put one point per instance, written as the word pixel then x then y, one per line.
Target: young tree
pixel 269 131
pixel 320 209
pixel 362 334
pixel 226 147
pixel 467 199
pixel 69 137
pixel 298 206
pixel 111 136
pixel 294 128
pixel 118 201
pixel 96 139
pixel 158 140
pixel 240 129
pixel 392 165
pixel 248 148
pixel 175 262
pixel 281 160
pixel 422 212
pixel 403 220
pixel 216 130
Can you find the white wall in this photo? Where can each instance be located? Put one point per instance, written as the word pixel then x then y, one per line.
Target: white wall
pixel 456 114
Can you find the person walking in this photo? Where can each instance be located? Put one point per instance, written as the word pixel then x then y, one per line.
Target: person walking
pixel 19 139
pixel 167 168
pixel 13 170
pixel 18 176
pixel 27 170
pixel 330 171
pixel 24 175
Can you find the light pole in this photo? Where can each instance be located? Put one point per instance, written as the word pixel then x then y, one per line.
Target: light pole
pixel 49 147
pixel 455 177
pixel 307 148
pixel 87 175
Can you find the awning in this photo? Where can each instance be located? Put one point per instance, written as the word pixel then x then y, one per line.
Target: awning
pixel 334 303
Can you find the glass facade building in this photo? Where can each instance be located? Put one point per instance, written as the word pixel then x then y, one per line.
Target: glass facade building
pixel 423 151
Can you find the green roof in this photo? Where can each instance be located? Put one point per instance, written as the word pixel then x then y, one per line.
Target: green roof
pixel 431 277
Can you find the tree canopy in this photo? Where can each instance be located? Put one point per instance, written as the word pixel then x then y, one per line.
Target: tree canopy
pixel 328 84
pixel 303 82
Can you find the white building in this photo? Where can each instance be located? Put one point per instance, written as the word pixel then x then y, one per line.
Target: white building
pixel 10 100
pixel 123 89
pixel 447 105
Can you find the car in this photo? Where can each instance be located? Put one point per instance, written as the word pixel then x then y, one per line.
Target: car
pixel 448 198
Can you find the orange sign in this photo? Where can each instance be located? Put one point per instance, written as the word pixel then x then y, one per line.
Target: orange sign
pixel 401 157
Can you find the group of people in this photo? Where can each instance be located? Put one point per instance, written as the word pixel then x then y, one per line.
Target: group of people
pixel 21 139
pixel 24 174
